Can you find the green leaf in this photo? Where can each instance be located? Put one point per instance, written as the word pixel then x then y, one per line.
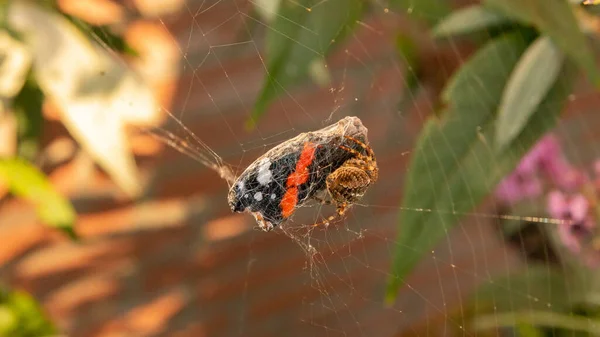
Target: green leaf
pixel 31 320
pixel 8 321
pixel 468 20
pixel 112 40
pixel 429 11
pixel 408 54
pixel 527 86
pixel 28 111
pixel 536 287
pixel 26 181
pixel 319 74
pixel 454 166
pixel 540 318
pixel 528 330
pixel 105 35
pixel 554 18
pixel 303 32
pixel 267 9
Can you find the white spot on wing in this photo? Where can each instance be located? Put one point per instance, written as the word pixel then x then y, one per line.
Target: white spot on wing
pixel 241 185
pixel 264 174
pixel 258 196
pixel 273 196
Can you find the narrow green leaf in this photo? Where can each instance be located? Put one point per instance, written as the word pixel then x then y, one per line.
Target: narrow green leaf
pixel 28 111
pixel 302 32
pixel 408 55
pixel 468 20
pixel 429 11
pixel 112 40
pixel 267 9
pixel 554 18
pixel 319 73
pixel 454 166
pixel 528 330
pixel 528 84
pixel 26 181
pixel 546 319
pixel 105 35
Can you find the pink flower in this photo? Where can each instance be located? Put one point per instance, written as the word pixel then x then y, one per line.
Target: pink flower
pixel 597 167
pixel 545 151
pixel 552 162
pixel 523 182
pixel 563 174
pixel 519 186
pixel 575 211
pixel 544 158
pixel 597 175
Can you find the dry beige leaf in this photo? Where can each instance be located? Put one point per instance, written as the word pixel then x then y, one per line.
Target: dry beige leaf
pixel 15 63
pixel 95 92
pixel 8 133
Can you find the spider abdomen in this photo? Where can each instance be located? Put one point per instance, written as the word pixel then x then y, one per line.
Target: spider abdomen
pixel 348 184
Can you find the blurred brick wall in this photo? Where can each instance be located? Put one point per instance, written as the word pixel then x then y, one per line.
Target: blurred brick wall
pixel 178 263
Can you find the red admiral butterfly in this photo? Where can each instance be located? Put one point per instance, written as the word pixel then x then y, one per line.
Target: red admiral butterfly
pixel 335 160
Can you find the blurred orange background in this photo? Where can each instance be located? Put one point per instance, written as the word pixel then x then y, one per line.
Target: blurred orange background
pixel 177 262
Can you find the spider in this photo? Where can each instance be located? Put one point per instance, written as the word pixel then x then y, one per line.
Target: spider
pixel 335 161
pixel 347 184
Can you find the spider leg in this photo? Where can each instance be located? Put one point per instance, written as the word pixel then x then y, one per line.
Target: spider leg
pixel 366 159
pixel 322 201
pixel 353 151
pixel 363 145
pixel 340 211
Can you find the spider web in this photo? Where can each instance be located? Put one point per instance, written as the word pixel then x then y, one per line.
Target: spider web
pixel 328 281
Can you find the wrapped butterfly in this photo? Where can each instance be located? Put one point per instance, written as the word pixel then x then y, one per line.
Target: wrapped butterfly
pixel 333 165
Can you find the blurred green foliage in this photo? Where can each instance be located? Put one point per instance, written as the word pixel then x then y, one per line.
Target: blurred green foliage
pixel 461 156
pixel 26 181
pixel 297 37
pixel 27 107
pixel 469 20
pixel 21 316
pixel 455 165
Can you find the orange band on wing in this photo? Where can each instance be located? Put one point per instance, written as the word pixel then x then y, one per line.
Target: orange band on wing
pixel 297 178
pixel 289 201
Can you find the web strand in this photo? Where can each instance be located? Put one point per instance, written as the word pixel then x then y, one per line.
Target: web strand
pixel 346 263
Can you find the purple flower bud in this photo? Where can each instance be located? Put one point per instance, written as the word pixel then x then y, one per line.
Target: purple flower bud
pixel 545 150
pixel 557 205
pixel 563 174
pixel 545 157
pixel 517 186
pixel 579 207
pixel 575 211
pixel 597 167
